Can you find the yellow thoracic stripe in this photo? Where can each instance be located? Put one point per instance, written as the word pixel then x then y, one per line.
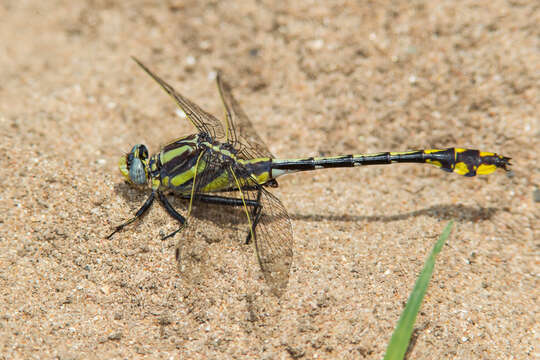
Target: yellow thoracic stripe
pixel 169 155
pixel 187 175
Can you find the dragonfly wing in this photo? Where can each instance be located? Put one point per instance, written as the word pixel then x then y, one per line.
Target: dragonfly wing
pixel 207 168
pixel 272 233
pixel 273 242
pixel 240 130
pixel 203 121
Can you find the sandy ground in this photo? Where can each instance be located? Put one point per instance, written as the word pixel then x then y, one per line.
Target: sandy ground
pixel 339 78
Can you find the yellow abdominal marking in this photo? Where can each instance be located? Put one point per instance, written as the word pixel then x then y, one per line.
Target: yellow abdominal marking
pixel 461 168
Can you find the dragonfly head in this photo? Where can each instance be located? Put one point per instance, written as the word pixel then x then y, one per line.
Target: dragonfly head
pixel 134 165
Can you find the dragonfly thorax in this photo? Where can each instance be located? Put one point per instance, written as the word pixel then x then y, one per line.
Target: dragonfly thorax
pixel 134 165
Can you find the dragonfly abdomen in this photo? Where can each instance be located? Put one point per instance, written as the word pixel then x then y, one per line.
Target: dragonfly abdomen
pixel 461 161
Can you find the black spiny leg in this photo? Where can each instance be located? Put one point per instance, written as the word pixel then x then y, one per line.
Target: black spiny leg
pixel 138 214
pixel 255 215
pixel 173 213
pixel 222 200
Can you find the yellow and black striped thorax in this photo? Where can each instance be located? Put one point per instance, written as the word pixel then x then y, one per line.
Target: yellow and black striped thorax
pixel 211 164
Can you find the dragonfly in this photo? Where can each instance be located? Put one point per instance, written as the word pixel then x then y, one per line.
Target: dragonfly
pixel 218 161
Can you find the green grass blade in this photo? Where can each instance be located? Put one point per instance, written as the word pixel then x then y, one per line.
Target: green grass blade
pixel 402 334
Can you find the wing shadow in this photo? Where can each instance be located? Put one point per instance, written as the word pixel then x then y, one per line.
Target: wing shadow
pixel 443 212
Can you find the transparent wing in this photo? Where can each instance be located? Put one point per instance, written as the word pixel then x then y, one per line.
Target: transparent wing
pixel 203 121
pixel 240 130
pixel 273 242
pixel 272 233
pixel 208 168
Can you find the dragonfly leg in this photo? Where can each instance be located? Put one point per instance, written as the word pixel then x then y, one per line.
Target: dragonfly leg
pixel 255 215
pixel 138 214
pixel 171 211
pixel 222 200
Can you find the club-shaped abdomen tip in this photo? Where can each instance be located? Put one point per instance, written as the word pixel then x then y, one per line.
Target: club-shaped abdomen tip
pixel 504 162
pixel 489 162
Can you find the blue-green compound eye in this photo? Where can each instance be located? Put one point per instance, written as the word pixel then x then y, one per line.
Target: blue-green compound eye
pixel 137 173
